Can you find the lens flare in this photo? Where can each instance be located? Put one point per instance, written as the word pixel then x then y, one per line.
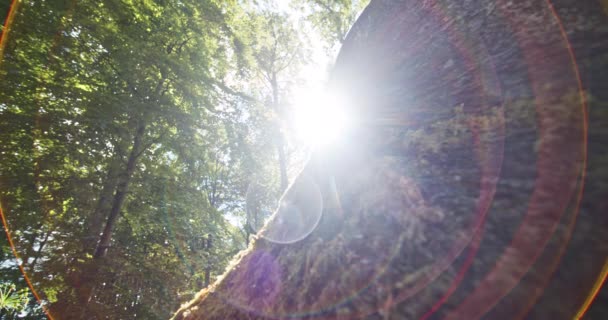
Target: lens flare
pixel 320 118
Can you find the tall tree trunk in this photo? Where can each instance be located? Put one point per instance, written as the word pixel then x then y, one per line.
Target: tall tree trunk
pixel 104 204
pixel 208 246
pixel 121 192
pixel 86 282
pixel 123 181
pixel 282 163
pixel 280 138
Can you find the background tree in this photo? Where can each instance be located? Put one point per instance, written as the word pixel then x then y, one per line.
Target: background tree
pixel 278 52
pixel 126 148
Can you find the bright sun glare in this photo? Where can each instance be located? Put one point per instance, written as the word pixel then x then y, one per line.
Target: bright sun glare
pixel 320 118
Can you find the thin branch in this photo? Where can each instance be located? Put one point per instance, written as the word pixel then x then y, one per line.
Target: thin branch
pixel 233 92
pixel 293 55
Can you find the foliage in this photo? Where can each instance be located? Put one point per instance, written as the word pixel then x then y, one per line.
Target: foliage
pixel 11 299
pixel 130 132
pixel 333 18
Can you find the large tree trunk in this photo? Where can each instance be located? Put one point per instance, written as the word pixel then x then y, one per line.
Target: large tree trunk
pixel 458 197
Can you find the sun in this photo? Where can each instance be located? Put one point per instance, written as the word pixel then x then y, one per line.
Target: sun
pixel 320 118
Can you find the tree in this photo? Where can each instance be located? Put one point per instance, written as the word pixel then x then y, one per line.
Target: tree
pixel 466 173
pixel 123 148
pixel 278 52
